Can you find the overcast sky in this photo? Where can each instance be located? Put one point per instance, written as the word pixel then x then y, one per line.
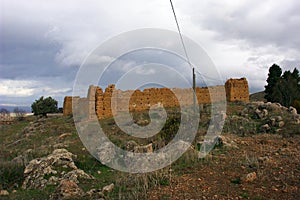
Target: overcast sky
pixel 43 43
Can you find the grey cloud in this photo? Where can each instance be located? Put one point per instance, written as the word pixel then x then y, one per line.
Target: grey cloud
pixel 47 41
pixel 290 64
pixel 257 22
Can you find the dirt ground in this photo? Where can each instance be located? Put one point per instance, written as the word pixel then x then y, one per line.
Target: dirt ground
pixel 274 162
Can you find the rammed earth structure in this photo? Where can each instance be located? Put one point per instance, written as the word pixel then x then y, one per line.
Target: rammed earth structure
pixel 99 101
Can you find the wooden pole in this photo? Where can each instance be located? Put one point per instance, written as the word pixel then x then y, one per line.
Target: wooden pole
pixel 194 88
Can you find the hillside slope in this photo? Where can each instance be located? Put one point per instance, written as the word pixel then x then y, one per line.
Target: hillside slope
pixel 258 96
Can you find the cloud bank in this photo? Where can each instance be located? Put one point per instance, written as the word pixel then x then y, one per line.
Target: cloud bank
pixel 43 43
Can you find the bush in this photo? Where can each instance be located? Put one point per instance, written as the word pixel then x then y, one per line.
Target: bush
pixel 170 128
pixel 11 174
pixel 20 113
pixel 296 104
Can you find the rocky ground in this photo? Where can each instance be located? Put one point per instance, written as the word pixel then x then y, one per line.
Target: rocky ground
pixel 257 157
pixel 262 166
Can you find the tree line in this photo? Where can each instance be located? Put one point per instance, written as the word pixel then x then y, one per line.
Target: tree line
pixel 283 87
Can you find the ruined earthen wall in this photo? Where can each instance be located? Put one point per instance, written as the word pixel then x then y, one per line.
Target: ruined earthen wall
pixel 67 109
pixel 237 90
pixel 102 104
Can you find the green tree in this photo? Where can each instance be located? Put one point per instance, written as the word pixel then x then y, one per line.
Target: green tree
pixel 43 106
pixel 296 75
pixel 273 77
pixel 284 89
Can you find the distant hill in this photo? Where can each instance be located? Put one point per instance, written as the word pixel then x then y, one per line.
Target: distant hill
pixel 259 96
pixel 11 108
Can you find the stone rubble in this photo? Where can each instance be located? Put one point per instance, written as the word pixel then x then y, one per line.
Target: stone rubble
pixel 44 171
pixel 67 189
pixel 264 111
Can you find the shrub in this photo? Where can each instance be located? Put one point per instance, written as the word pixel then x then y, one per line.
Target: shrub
pixel 20 113
pixel 296 104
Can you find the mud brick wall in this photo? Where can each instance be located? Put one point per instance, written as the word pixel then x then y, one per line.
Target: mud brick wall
pixel 67 109
pixel 103 101
pixel 103 104
pixel 237 90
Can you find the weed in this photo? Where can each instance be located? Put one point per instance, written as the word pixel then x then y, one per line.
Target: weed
pixel 236 180
pixel 245 195
pixel 135 186
pixel 251 161
pixel 11 174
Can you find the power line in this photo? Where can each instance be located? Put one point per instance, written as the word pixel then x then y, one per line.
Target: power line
pixel 181 38
pixel 185 51
pixel 208 77
pixel 187 57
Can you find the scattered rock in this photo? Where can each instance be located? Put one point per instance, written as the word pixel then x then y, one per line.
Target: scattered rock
pixel 4 193
pixel 274 188
pixel 19 160
pixel 52 169
pixel 95 193
pixel 263 159
pixel 108 188
pixel 242 130
pixel 143 149
pixel 280 124
pixel 106 152
pixel 60 145
pixel 265 128
pixel 293 110
pixel 75 174
pixel 272 121
pixel 130 145
pixel 53 180
pixel 261 113
pixel 33 127
pixel 250 177
pixel 67 189
pixel 278 118
pixel 62 136
pixel 296 119
pixel 142 122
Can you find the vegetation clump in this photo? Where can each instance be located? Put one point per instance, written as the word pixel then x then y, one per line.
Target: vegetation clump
pixel 43 106
pixel 283 88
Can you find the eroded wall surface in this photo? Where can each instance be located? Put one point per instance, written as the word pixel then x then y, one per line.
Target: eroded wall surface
pixel 237 90
pixel 103 104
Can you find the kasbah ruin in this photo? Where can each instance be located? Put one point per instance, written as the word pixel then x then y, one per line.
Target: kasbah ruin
pixel 99 101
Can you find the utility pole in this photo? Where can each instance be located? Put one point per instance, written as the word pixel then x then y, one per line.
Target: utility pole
pixel 194 88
